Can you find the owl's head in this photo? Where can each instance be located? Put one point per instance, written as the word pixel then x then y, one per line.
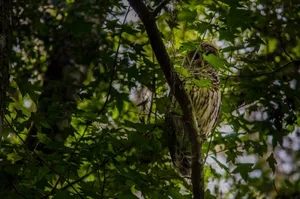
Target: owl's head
pixel 208 48
pixel 194 59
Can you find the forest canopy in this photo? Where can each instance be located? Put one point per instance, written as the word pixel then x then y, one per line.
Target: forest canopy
pixel 84 95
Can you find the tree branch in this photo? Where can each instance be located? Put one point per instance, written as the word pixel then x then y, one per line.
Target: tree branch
pixel 160 7
pixel 177 88
pixel 263 74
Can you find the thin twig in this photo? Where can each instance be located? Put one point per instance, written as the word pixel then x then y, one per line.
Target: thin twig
pixel 108 93
pixel 205 31
pixel 234 147
pixel 12 184
pixel 52 190
pixel 99 178
pixel 114 64
pixel 263 74
pixel 275 188
pixel 74 150
pixel 104 182
pixel 152 99
pixel 94 170
pixel 282 46
pixel 208 147
pixel 38 158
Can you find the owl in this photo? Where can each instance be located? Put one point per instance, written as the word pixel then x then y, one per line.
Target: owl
pixel 206 101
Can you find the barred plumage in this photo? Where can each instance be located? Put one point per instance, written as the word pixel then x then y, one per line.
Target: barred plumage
pixel 206 103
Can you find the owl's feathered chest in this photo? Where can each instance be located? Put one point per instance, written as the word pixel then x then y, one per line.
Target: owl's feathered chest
pixel 204 94
pixel 208 74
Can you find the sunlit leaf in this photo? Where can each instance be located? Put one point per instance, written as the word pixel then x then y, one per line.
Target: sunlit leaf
pixel 215 61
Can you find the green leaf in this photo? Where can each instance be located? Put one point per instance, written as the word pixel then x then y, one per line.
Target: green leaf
pixel 183 71
pixel 188 46
pixel 162 104
pixel 14 157
pixel 201 26
pixel 82 26
pixel 243 170
pixel 272 162
pixel 127 195
pixel 43 138
pixel 130 30
pixel 187 15
pixel 61 194
pixel 44 124
pixel 204 83
pixel 215 61
pixel 227 35
pixel 221 164
pixel 208 195
pixel 6 130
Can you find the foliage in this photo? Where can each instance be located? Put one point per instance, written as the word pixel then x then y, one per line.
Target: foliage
pixel 86 102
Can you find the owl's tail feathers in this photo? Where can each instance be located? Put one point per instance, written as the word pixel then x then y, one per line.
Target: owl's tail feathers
pixel 186 167
pixel 181 160
pixel 178 144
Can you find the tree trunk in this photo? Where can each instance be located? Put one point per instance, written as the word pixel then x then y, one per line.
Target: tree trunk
pixel 5 51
